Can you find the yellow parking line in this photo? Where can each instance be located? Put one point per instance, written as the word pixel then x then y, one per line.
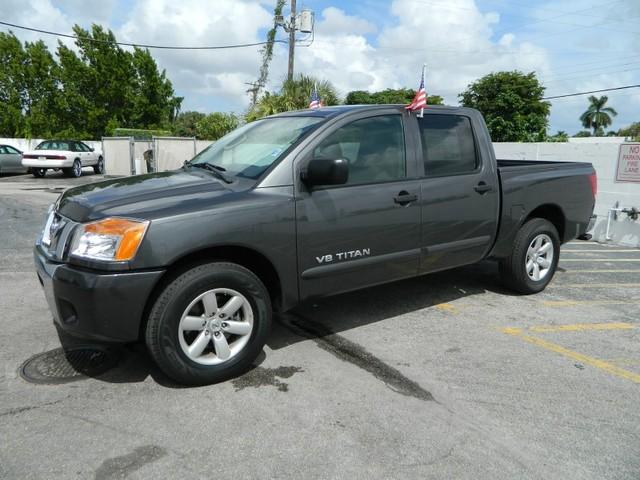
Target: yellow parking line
pixel 447 307
pixel 623 361
pixel 573 303
pixel 579 357
pixel 578 327
pixel 600 260
pixel 601 271
pixel 596 285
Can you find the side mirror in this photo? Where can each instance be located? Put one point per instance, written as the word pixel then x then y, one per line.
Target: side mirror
pixel 92 149
pixel 325 171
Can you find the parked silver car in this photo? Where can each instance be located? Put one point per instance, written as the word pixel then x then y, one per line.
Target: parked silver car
pixel 11 160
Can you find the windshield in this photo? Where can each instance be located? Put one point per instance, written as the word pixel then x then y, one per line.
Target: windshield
pixel 53 145
pixel 251 149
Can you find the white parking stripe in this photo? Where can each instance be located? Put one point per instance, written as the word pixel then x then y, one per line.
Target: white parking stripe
pixel 568 250
pixel 599 260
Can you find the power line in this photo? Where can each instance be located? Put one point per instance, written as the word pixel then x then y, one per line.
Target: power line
pixel 592 91
pixel 140 45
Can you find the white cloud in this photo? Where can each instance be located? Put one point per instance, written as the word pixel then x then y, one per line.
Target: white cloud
pixel 458 41
pixel 458 48
pixel 336 22
pixel 193 22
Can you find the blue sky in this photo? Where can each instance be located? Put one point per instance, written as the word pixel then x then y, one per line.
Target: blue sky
pixel 572 45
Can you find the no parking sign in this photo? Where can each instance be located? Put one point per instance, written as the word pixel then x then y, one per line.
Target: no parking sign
pixel 628 163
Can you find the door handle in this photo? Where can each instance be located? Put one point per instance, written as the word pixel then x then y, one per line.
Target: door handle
pixel 482 188
pixel 404 198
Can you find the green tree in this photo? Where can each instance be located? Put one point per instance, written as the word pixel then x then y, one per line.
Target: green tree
pixel 597 116
pixel 512 105
pixel 185 124
pixel 42 91
pixel 12 85
pixel 388 96
pixel 84 92
pixel 154 104
pixel 560 136
pixel 293 95
pixel 632 130
pixel 216 125
pixel 582 134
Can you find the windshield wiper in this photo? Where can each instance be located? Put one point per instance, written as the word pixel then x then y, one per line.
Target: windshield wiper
pixel 215 169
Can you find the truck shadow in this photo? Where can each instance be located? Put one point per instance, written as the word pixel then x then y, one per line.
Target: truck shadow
pixel 331 315
pixel 336 314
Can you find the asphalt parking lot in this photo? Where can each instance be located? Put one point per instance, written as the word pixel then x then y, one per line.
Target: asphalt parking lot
pixel 444 376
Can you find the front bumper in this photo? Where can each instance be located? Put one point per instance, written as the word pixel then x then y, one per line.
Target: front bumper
pixel 100 306
pixel 35 163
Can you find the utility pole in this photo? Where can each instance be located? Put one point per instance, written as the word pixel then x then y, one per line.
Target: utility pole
pixel 292 39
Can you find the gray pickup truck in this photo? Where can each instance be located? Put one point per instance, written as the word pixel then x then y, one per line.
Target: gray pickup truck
pixel 291 207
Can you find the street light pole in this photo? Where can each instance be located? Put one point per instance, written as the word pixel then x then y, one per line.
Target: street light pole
pixel 292 39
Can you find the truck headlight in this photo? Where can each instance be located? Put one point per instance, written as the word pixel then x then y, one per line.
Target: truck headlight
pixel 112 239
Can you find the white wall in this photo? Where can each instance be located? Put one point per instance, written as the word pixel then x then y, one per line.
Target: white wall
pixel 202 144
pixel 24 144
pixel 597 139
pixel 604 157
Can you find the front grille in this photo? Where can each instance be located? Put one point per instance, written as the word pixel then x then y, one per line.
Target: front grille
pixel 60 230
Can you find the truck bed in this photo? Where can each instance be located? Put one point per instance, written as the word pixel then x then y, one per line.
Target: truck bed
pixel 564 186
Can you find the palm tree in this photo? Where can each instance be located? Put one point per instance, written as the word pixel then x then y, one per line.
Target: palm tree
pixel 293 95
pixel 597 115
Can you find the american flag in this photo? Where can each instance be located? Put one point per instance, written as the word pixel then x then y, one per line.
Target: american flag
pixel 420 100
pixel 315 99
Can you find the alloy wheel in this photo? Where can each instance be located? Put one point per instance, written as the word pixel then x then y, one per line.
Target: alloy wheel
pixel 215 326
pixel 539 258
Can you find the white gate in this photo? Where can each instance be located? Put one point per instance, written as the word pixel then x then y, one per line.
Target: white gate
pixel 118 156
pixel 170 153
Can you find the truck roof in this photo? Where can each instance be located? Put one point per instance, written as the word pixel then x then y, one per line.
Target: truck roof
pixel 335 110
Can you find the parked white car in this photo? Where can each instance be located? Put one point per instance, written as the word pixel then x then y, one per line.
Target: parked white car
pixel 68 155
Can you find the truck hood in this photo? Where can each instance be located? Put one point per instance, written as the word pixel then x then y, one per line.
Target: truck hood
pixel 143 196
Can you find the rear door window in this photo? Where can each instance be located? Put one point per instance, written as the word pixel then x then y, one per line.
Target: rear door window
pixel 448 145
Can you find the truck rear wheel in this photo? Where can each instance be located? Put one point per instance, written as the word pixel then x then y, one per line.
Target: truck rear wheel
pixel 534 258
pixel 209 323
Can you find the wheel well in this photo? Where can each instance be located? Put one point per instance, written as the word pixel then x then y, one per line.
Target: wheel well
pixel 248 258
pixel 552 213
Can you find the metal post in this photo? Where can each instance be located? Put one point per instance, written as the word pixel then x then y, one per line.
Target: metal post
pixel 132 155
pixel 292 39
pixel 424 71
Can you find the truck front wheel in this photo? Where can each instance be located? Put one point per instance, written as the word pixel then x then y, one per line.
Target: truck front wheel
pixel 534 258
pixel 209 323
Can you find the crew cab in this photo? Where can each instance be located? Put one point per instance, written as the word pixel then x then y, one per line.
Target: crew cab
pixel 292 207
pixel 66 155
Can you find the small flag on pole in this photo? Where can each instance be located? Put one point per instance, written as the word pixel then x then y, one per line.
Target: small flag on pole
pixel 315 98
pixel 420 100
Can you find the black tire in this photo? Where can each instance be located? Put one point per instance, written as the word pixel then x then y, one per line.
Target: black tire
pixel 38 172
pixel 513 268
pixel 98 168
pixel 75 171
pixel 162 329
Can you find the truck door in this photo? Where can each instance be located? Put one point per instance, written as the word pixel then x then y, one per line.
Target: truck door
pixel 459 193
pixel 366 231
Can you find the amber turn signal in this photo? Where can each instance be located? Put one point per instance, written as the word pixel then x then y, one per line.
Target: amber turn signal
pixel 130 232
